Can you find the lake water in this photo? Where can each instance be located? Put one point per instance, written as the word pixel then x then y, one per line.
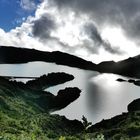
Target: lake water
pixel 102 97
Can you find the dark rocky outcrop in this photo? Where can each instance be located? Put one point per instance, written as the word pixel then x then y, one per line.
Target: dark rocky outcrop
pixel 49 80
pixel 64 97
pixel 135 82
pixel 131 81
pixel 134 106
pixel 120 80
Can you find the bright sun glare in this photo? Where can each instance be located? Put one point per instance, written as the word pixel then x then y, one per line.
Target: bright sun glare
pixel 108 80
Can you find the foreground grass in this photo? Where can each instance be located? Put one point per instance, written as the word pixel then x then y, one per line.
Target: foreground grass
pixel 22 118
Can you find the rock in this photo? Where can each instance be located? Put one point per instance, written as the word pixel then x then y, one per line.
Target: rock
pixel 46 81
pixel 65 97
pixel 134 105
pixel 131 81
pixel 120 80
pixel 137 83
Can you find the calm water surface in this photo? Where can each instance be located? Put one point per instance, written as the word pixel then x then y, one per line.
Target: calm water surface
pixel 102 96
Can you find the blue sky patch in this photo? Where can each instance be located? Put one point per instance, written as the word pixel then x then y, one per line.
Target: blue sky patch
pixel 12 14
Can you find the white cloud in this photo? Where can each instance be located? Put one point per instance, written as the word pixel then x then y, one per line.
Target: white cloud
pixel 28 5
pixel 68 35
pixel 21 37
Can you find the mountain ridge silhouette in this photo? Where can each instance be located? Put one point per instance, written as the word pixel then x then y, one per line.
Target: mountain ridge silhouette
pixel 11 55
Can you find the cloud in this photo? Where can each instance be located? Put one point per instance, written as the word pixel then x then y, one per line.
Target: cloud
pixel 31 32
pixel 42 27
pixel 28 5
pixel 64 26
pixel 124 14
pixel 93 33
pixel 21 37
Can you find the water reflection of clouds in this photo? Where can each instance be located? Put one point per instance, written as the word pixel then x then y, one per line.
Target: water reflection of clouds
pixel 93 102
pixel 101 97
pixel 111 96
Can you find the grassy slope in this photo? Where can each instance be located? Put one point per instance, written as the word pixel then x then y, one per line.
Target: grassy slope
pixel 21 118
pixel 125 126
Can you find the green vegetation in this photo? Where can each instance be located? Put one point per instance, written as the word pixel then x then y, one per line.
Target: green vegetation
pixel 122 127
pixel 86 124
pixel 24 114
pixel 22 117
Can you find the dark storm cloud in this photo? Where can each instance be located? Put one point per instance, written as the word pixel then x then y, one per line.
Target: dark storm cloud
pixel 93 33
pixel 121 13
pixel 43 26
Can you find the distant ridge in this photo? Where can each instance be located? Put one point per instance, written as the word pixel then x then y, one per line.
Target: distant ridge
pixel 11 55
pixel 129 67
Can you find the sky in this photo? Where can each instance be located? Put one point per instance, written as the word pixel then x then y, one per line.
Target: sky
pixel 14 12
pixel 95 30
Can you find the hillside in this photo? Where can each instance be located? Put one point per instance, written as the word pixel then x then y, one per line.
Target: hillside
pixel 25 107
pixel 129 67
pixel 12 55
pixel 24 115
pixel 121 127
pixel 24 111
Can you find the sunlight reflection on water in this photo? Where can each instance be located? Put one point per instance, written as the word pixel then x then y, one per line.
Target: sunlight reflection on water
pixel 102 96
